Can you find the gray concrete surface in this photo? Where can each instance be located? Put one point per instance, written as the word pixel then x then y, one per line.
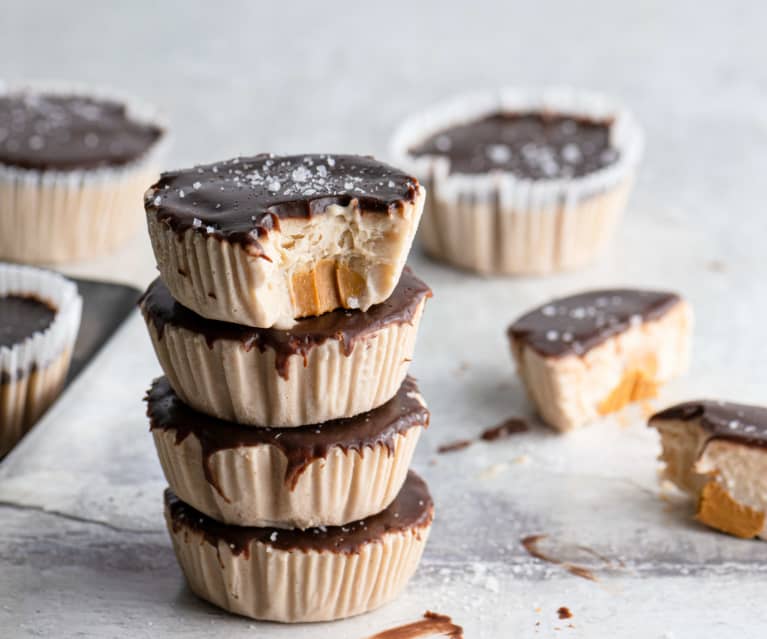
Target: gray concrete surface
pixel 83 552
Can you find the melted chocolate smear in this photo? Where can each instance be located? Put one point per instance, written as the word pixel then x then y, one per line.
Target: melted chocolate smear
pixel 742 423
pixel 512 426
pixel 575 324
pixel 21 316
pixel 301 445
pixel 245 198
pixel 535 146
pixel 459 444
pixel 564 613
pixel 342 325
pixel 432 624
pixel 58 132
pixel 411 510
pixel 531 546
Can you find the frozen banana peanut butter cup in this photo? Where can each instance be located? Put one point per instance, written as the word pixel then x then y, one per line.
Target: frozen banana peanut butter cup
pixel 717 452
pixel 73 166
pixel 39 320
pixel 320 474
pixel 265 240
pixel 336 365
pixel 318 574
pixel 521 181
pixel 590 354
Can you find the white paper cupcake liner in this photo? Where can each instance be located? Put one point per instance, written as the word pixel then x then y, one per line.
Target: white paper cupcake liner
pixel 51 216
pixel 243 385
pixel 33 372
pixel 500 223
pixel 297 586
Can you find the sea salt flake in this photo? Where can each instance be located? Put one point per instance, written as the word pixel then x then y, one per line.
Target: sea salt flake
pixel 571 153
pixel 348 185
pixel 196 222
pixel 196 185
pixel 273 536
pixel 181 193
pixel 273 186
pixel 549 311
pixel 499 153
pixel 443 143
pixel 157 200
pixel 552 336
pixel 300 174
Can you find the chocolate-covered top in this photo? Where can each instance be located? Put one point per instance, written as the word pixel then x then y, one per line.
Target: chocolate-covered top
pixel 535 146
pixel 412 509
pixel 243 199
pixel 742 423
pixel 21 316
pixel 301 445
pixel 67 132
pixel 575 324
pixel 346 326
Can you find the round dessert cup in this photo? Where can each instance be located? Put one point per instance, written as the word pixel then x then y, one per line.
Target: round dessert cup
pixel 319 574
pixel 54 216
pixel 32 372
pixel 338 365
pixel 335 249
pixel 499 223
pixel 323 474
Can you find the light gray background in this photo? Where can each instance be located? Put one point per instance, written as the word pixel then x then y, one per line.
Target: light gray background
pixel 332 76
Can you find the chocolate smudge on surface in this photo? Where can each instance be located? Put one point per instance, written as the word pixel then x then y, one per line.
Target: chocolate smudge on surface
pixel 530 544
pixel 432 624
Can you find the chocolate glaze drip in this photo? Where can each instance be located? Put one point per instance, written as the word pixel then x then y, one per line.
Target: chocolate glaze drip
pixel 21 316
pixel 535 146
pixel 301 445
pixel 412 509
pixel 575 324
pixel 243 199
pixel 346 326
pixel 67 132
pixel 742 423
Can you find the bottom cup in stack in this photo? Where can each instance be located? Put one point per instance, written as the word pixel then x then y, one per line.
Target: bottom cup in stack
pixel 309 523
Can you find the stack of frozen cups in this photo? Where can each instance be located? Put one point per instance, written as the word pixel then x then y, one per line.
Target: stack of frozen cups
pixel 285 321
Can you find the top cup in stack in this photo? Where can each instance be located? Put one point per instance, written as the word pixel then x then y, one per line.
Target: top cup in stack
pixel 285 322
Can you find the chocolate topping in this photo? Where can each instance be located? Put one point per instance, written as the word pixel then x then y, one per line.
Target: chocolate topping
pixel 21 316
pixel 742 423
pixel 535 146
pixel 411 509
pixel 301 445
pixel 243 199
pixel 346 326
pixel 67 132
pixel 575 324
